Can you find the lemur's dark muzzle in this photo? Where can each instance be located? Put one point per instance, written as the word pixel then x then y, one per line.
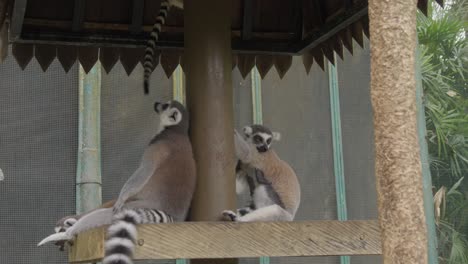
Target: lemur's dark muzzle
pixel 262 148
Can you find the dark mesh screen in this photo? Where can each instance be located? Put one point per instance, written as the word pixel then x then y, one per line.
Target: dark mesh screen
pixel 128 123
pixel 298 107
pixel 38 147
pixel 358 139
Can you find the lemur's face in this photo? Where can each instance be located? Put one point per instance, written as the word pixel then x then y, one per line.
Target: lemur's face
pixel 260 136
pixel 169 113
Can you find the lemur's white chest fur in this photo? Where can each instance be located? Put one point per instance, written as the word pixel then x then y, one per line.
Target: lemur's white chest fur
pixel 261 197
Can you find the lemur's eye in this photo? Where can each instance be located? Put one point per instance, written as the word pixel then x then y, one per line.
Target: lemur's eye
pixel 165 106
pixel 269 141
pixel 257 139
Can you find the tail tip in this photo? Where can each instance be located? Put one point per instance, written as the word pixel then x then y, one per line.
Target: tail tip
pixel 146 86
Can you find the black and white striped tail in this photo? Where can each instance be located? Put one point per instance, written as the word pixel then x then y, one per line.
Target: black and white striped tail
pixel 151 45
pixel 122 233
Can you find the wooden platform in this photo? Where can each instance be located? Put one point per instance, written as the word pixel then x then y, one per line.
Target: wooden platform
pixel 236 240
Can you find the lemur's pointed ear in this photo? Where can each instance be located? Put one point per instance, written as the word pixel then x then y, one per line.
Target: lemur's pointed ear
pixel 276 136
pixel 247 131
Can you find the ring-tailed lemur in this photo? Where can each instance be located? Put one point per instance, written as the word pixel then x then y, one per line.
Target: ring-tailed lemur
pixel 154 36
pixel 272 182
pixel 159 191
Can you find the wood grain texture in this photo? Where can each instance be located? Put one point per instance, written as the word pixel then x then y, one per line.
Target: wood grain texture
pixel 233 240
pixel 397 161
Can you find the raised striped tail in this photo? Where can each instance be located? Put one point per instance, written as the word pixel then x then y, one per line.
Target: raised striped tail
pixel 122 233
pixel 150 51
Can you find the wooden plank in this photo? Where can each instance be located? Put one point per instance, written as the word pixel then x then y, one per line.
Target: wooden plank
pixel 307 60
pixel 67 56
pixel 331 28
pixel 45 55
pixel 62 24
pixel 108 58
pixel 137 16
pixel 169 61
pixel 130 58
pixel 78 15
pixel 245 63
pixel 88 246
pixel 88 56
pixel 299 19
pixel 23 53
pixel 318 57
pixel 247 22
pixel 328 52
pixel 337 46
pixel 19 9
pixel 221 240
pixel 137 41
pixel 264 64
pixel 356 30
pixel 347 39
pixel 282 64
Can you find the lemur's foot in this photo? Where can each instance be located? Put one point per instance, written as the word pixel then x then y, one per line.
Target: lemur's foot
pixel 229 215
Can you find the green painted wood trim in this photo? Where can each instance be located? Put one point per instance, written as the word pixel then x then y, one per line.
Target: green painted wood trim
pixel 178 93
pixel 88 175
pixel 257 116
pixel 256 96
pixel 178 87
pixel 338 163
pixel 426 172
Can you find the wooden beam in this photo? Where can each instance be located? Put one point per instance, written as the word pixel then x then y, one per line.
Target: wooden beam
pixel 247 22
pixel 221 240
pixel 348 4
pixel 331 28
pixel 137 16
pixel 299 19
pixel 63 24
pixel 19 9
pixel 78 15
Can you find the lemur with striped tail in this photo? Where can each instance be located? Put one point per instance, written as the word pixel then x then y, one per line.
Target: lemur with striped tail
pixel 150 50
pixel 159 191
pixel 273 184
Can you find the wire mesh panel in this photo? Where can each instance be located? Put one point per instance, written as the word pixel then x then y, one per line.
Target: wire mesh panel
pixel 38 148
pixel 298 107
pixel 128 123
pixel 358 139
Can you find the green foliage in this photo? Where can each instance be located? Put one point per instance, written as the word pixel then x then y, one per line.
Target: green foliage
pixel 444 66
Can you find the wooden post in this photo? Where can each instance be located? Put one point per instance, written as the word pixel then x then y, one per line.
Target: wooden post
pixel 398 165
pixel 210 101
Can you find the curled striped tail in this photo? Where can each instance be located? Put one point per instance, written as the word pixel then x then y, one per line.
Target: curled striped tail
pixel 151 44
pixel 122 233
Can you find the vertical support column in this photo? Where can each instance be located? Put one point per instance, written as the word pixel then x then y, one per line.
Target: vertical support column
pixel 398 164
pixel 88 176
pixel 338 163
pixel 210 101
pixel 426 172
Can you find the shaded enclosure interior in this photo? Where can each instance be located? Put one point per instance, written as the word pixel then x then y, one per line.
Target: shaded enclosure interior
pixel 39 138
